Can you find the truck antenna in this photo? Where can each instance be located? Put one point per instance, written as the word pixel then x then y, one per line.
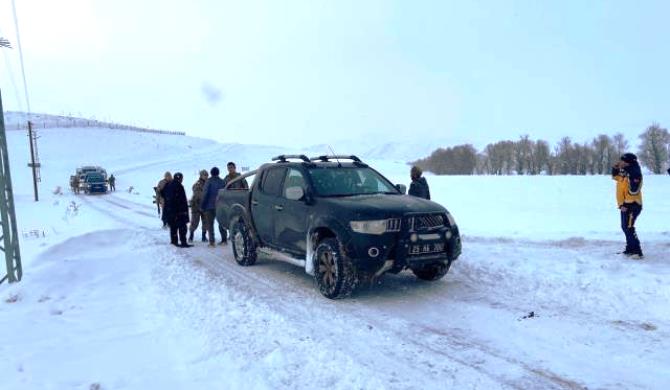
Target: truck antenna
pixel 339 165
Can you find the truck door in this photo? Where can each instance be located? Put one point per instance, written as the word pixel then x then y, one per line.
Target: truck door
pixel 291 221
pixel 265 202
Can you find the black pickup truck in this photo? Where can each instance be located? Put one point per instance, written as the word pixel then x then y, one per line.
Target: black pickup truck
pixel 340 219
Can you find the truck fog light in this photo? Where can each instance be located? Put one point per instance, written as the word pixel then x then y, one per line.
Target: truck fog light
pixel 414 237
pixel 447 235
pixel 373 252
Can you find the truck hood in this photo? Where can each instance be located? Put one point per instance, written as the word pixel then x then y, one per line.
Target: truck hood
pixel 382 205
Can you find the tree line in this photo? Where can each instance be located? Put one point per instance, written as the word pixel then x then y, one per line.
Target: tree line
pixel 534 157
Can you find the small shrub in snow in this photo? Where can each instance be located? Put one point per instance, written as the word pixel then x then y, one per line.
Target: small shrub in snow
pixel 72 210
pixel 58 190
pixel 13 298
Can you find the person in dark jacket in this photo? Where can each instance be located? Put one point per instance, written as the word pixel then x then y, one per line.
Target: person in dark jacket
pixel 112 183
pixel 175 210
pixel 628 175
pixel 419 185
pixel 208 206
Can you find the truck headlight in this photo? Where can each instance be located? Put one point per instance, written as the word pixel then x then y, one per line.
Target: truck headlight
pixel 369 227
pixel 452 221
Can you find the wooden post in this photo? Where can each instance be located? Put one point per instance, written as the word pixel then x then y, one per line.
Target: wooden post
pixel 32 160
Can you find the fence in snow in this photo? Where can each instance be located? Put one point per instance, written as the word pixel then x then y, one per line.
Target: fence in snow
pixel 50 122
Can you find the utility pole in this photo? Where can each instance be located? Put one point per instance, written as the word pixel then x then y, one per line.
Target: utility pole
pixel 34 160
pixel 9 241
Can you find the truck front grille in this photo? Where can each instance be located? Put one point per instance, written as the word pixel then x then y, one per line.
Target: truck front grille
pixel 426 222
pixel 393 224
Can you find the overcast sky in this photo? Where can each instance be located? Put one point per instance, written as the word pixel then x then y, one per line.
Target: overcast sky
pixel 306 72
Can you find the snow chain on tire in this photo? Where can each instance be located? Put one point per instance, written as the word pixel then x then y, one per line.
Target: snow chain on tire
pixel 244 247
pixel 334 273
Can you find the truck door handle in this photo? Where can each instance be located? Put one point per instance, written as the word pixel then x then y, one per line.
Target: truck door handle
pixel 254 203
pixel 279 208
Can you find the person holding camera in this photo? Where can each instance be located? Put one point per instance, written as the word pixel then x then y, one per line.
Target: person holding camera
pixel 628 176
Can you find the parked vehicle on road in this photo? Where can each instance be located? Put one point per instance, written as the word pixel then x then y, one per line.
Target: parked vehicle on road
pixel 340 219
pixel 94 183
pixel 89 179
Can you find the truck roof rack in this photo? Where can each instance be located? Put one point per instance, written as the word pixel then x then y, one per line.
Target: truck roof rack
pixel 326 158
pixel 284 157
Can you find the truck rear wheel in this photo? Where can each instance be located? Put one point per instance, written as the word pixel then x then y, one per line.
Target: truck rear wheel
pixel 334 273
pixel 432 272
pixel 244 247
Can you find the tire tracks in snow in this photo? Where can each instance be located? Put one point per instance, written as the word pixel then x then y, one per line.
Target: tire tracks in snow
pixel 297 303
pixel 455 347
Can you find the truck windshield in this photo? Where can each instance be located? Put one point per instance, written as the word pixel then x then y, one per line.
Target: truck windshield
pixel 349 181
pixel 94 178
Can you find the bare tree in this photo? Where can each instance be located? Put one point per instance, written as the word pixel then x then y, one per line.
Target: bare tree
pixel 565 157
pixel 459 160
pixel 604 153
pixel 523 150
pixel 541 156
pixel 653 150
pixel 500 157
pixel 620 145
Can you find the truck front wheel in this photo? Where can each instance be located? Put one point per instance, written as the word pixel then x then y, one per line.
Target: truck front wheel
pixel 334 273
pixel 244 248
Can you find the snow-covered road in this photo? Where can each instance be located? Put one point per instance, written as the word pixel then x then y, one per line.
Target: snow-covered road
pixel 464 331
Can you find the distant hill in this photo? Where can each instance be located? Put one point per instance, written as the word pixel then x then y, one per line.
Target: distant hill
pixel 16 120
pixel 365 149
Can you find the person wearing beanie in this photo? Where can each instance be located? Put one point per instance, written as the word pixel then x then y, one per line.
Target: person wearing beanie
pixel 628 176
pixel 196 211
pixel 419 185
pixel 208 206
pixel 176 210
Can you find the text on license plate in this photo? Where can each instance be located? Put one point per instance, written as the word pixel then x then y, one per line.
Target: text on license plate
pixel 426 248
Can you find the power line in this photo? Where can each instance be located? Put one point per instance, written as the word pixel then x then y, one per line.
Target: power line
pixel 8 64
pixel 23 69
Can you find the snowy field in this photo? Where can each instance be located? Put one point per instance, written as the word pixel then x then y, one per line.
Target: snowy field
pixel 106 303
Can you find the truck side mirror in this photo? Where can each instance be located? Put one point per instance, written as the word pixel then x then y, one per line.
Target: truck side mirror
pixel 295 193
pixel 402 188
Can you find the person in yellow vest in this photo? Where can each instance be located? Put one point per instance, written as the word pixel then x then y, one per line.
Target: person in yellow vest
pixel 628 176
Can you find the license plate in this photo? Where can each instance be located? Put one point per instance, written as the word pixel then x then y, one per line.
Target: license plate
pixel 426 248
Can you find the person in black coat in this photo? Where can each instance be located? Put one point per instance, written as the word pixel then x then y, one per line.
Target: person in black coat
pixel 175 210
pixel 419 185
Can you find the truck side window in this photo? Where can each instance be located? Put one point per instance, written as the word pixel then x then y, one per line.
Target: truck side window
pixel 272 181
pixel 293 179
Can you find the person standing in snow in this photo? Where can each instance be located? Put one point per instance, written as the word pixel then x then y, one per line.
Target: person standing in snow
pixel 238 185
pixel 419 185
pixel 175 210
pixel 232 175
pixel 75 184
pixel 167 177
pixel 112 183
pixel 196 212
pixel 628 176
pixel 208 205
